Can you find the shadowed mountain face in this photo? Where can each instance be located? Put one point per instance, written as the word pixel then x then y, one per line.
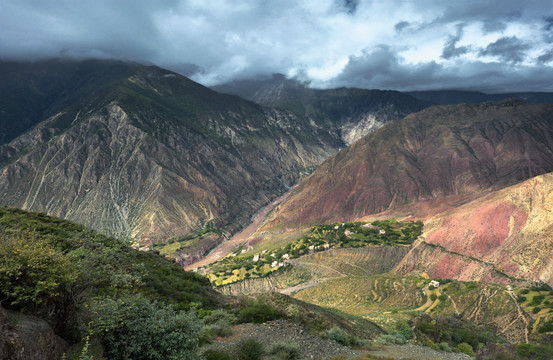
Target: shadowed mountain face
pixel 32 92
pixel 454 152
pixel 139 151
pixel 348 112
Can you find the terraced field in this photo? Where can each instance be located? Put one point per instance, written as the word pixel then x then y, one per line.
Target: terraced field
pixel 388 298
pixel 539 304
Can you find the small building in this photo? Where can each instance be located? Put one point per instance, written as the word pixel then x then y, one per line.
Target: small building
pixel 274 264
pixel 382 231
pixel 256 258
pixel 286 257
pixel 434 283
pixel 312 247
pixel 326 246
pixel 336 227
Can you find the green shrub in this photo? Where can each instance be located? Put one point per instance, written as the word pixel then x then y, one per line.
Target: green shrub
pixel 216 355
pixel 217 324
pixel 466 349
pixel 339 335
pixel 284 350
pixel 33 271
pixel 391 339
pixel 250 349
pixel 547 327
pixel 536 300
pixel 404 329
pixel 535 351
pixel 259 312
pixel 134 328
pixel 433 297
pixel 445 346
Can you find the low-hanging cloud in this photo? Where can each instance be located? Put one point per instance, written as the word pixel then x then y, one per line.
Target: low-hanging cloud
pixel 375 44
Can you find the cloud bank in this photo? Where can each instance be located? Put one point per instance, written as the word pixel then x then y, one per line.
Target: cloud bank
pixel 486 45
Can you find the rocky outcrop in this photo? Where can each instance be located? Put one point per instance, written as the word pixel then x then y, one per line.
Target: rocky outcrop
pixel 24 337
pixel 443 153
pixel 503 236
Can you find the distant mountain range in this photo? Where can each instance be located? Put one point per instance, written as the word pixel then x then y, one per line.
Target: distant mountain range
pixel 352 112
pixel 448 97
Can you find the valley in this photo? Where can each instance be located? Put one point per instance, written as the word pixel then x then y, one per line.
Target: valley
pixel 364 218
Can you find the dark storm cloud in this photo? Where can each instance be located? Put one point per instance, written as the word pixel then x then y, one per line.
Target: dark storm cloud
pixel 400 26
pixel 411 42
pixel 492 25
pixel 351 5
pixel 548 23
pixel 546 57
pixel 382 68
pixel 449 51
pixel 509 49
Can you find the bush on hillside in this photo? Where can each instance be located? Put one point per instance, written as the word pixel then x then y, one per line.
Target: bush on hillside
pixel 32 271
pixel 339 335
pixel 284 350
pixel 391 339
pixel 134 328
pixel 259 312
pixel 250 349
pixel 217 324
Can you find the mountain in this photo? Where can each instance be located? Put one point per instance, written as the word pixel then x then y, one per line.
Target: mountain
pixel 32 92
pixel 443 155
pixel 349 112
pixel 448 97
pixel 505 235
pixel 133 150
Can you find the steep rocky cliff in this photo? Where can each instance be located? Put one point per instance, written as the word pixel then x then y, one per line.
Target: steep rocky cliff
pixel 504 235
pixel 445 153
pixel 152 155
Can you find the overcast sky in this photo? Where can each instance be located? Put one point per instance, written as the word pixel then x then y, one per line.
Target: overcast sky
pixel 488 45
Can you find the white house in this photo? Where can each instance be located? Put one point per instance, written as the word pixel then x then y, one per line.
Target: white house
pixel 434 283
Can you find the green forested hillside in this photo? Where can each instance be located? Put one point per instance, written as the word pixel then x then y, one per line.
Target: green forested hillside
pixel 96 288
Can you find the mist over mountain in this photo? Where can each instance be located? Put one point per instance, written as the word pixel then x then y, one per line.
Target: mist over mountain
pixel 351 112
pixel 448 97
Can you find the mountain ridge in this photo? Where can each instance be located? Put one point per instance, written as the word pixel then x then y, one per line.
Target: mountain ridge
pixel 444 151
